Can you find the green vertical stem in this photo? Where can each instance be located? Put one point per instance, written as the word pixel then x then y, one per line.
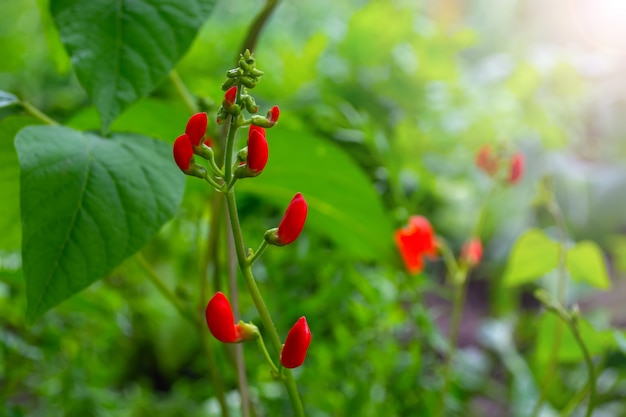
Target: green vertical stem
pixel 559 220
pixel 571 320
pixel 590 369
pixel 458 303
pixel 264 314
pixel 257 25
pixel 211 257
pixel 458 276
pixel 183 92
pixel 234 296
pixel 209 353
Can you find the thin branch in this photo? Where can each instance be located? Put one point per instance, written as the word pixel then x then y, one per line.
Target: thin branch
pixel 256 26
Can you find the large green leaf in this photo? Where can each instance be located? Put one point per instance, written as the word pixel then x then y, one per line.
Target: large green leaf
pixel 10 226
pixel 586 263
pixel 343 203
pixel 533 255
pixel 88 203
pixel 140 118
pixel 122 49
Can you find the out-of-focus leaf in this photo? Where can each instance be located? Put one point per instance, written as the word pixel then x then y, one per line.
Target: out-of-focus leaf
pixel 343 204
pixel 121 50
pixel 618 250
pixel 533 255
pixel 87 203
pixel 586 263
pixel 7 99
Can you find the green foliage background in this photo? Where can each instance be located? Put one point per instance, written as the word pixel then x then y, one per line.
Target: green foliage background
pixel 383 106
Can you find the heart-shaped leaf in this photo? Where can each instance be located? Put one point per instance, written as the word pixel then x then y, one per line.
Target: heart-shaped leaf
pixel 585 262
pixel 533 255
pixel 121 49
pixel 87 204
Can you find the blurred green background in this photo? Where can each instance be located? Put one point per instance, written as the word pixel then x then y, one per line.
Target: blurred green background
pixel 383 107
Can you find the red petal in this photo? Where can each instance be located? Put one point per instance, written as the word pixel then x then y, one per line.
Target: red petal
pixel 296 344
pixel 183 152
pixel 220 319
pixel 293 220
pixel 196 128
pixel 258 151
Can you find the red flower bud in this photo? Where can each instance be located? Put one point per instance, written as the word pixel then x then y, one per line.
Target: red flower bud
pixel 415 241
pixel 230 96
pixel 293 221
pixel 220 319
pixel 255 128
pixel 273 114
pixel 487 161
pixel 183 152
pixel 516 170
pixel 196 128
pixel 258 151
pixel 296 344
pixel 472 252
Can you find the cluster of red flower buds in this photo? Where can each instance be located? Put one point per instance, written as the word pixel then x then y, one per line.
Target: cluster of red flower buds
pixel 492 162
pixel 251 161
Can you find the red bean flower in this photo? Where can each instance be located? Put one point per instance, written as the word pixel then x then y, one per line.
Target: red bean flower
pixel 472 252
pixel 221 322
pixel 183 152
pixel 415 241
pixel 258 151
pixel 220 319
pixel 296 344
pixel 230 96
pixel 516 170
pixel 273 114
pixel 196 128
pixel 487 161
pixel 292 222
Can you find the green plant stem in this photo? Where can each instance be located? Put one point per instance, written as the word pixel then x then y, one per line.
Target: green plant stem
pixel 38 114
pixel 264 314
pixel 212 182
pixel 263 348
pixel 458 278
pixel 250 260
pixel 559 220
pixel 571 320
pixel 590 369
pixel 256 26
pixel 211 256
pixel 183 92
pixel 238 348
pixel 574 402
pixel 164 289
pixel 458 303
